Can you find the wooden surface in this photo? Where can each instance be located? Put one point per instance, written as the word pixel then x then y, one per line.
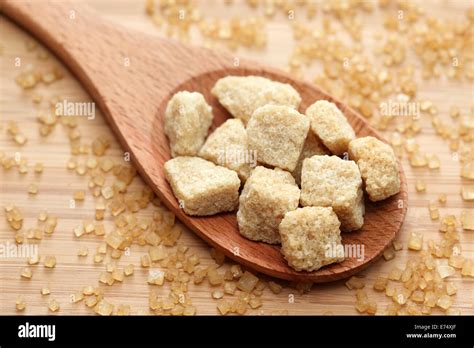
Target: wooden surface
pixel 57 185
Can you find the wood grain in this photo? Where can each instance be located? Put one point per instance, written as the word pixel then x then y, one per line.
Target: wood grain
pixel 134 97
pixel 330 296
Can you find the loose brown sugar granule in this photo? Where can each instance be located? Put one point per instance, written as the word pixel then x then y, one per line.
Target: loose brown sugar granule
pixel 77 297
pixel 34 260
pixel 26 273
pixel 45 291
pixel 380 284
pixel 467 220
pixel 33 188
pixel 217 294
pixel 275 287
pixel 128 269
pixel 123 310
pixel 104 308
pixel 389 253
pixel 20 303
pixel 49 261
pixel 415 241
pixel 247 282
pixel 214 277
pixel 355 283
pixel 53 305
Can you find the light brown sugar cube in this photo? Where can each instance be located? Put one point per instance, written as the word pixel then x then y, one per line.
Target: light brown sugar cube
pixel 329 181
pixel 378 166
pixel 227 146
pixel 331 126
pixel 267 195
pixel 242 95
pixel 312 146
pixel 277 134
pixel 201 187
pixel 310 238
pixel 187 121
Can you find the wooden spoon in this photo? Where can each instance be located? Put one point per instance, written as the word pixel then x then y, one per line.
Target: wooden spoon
pixel 131 76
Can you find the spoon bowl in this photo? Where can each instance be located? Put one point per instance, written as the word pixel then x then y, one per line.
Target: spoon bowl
pixel 131 76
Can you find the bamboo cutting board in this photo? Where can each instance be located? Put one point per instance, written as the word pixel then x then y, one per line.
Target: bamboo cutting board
pixel 57 184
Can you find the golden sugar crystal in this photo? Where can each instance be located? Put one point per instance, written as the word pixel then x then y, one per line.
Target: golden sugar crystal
pixel 91 301
pixel 415 241
pixel 230 287
pixel 467 220
pixel 99 230
pixel 156 277
pixel 433 162
pixel 78 231
pixel 34 260
pixel 418 296
pixel 104 308
pixel 123 310
pixel 106 278
pixel 145 260
pixel 274 287
pixel 128 269
pixel 445 302
pixel 82 251
pixel 118 275
pixel 217 294
pixel 420 186
pixel 456 261
pixel 157 253
pixel 53 305
pixel 247 282
pixel 401 296
pixel 468 268
pixel 395 273
pixel 42 216
pixel 467 171
pixel 380 284
pixel 434 211
pixel 389 253
pixel 79 195
pixel 33 188
pixel 467 192
pixel 26 272
pixel 98 258
pixel 255 303
pixel 114 239
pixel 214 277
pixel 451 289
pixel 20 303
pixel 418 160
pixel 355 283
pixel 45 291
pixel 49 261
pixel 77 297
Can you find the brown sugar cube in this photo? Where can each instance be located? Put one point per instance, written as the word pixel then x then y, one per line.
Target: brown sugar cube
pixel 277 134
pixel 187 121
pixel 378 166
pixel 267 195
pixel 329 181
pixel 242 95
pixel 227 146
pixel 310 238
pixel 201 187
pixel 312 146
pixel 331 126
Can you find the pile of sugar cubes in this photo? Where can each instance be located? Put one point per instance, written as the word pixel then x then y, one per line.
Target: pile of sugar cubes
pixel 295 179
